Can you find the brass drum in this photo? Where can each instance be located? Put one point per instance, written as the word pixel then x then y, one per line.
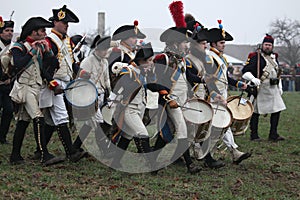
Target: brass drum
pixel 242 110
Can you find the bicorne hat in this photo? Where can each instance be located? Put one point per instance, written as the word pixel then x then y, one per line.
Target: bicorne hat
pixel 127 31
pixel 34 23
pixel 145 52
pixel 63 14
pixel 218 34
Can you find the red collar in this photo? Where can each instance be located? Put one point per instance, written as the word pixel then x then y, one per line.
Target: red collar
pixel 29 40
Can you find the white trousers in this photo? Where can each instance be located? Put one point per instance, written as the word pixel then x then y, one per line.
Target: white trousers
pixel 178 120
pixel 58 111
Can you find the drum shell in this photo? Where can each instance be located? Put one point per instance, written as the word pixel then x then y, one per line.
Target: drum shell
pixel 201 120
pixel 87 106
pixel 241 114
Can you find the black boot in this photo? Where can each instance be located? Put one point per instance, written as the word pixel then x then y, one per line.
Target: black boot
pixel 48 132
pixel 212 163
pixel 273 135
pixel 72 154
pixel 254 127
pixel 46 158
pixel 183 149
pixel 15 157
pixel 103 142
pixel 83 133
pixel 143 146
pixel 123 145
pixel 5 123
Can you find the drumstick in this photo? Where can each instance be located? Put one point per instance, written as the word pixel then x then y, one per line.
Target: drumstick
pixel 190 108
pixel 76 86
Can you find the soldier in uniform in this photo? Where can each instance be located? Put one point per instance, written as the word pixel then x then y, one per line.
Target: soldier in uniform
pixel 61 45
pixel 197 56
pixel 128 36
pixel 217 39
pixel 262 70
pixel 78 42
pixel 95 67
pixel 125 53
pixel 130 111
pixel 174 73
pixel 28 56
pixel 6 34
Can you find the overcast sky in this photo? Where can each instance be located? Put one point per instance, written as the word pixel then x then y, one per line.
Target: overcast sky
pixel 246 21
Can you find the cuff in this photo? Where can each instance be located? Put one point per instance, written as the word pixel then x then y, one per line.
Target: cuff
pixel 52 84
pixel 239 84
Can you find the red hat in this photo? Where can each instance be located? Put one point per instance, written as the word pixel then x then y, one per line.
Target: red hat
pixel 268 38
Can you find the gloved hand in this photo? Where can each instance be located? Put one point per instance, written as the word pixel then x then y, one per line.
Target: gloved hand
pixel 248 76
pixel 173 104
pixel 58 90
pixel 117 67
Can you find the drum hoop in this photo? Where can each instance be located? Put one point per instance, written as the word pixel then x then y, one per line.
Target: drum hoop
pixel 205 102
pixel 76 80
pixel 231 117
pixel 231 98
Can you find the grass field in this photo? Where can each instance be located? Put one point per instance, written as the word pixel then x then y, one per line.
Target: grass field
pixel 273 172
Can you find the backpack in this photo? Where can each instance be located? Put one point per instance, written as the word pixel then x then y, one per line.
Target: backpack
pixel 7 62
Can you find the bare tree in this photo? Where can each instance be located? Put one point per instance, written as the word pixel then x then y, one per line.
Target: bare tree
pixel 287 33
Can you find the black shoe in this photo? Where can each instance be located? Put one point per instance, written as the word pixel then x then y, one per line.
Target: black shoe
pixel 255 138
pixel 193 169
pixel 214 164
pixel 76 156
pixel 276 139
pixel 17 160
pixel 51 160
pixel 241 158
pixel 36 156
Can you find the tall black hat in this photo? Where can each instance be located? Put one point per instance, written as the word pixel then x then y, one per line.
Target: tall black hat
pixel 180 32
pixel 128 31
pixel 218 34
pixel 34 23
pixel 199 33
pixel 145 52
pixel 5 24
pixel 101 43
pixel 63 14
pixel 268 38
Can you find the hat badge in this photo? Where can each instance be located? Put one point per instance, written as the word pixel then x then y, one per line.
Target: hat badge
pixel 61 15
pixel 1 22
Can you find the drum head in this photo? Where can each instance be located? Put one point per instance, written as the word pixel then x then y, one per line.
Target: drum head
pixel 81 93
pixel 200 111
pixel 242 110
pixel 222 116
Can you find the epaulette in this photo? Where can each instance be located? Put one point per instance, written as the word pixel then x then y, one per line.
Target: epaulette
pixel 276 55
pixel 252 54
pixel 188 63
pixel 116 49
pixel 159 57
pixel 209 59
pixel 18 45
pixel 125 70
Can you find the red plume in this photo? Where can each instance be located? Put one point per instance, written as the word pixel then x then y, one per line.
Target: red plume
pixel 219 21
pixel 136 22
pixel 176 9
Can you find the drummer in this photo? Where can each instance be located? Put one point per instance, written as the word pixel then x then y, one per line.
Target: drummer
pixel 198 58
pixel 95 68
pixel 217 39
pixel 129 113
